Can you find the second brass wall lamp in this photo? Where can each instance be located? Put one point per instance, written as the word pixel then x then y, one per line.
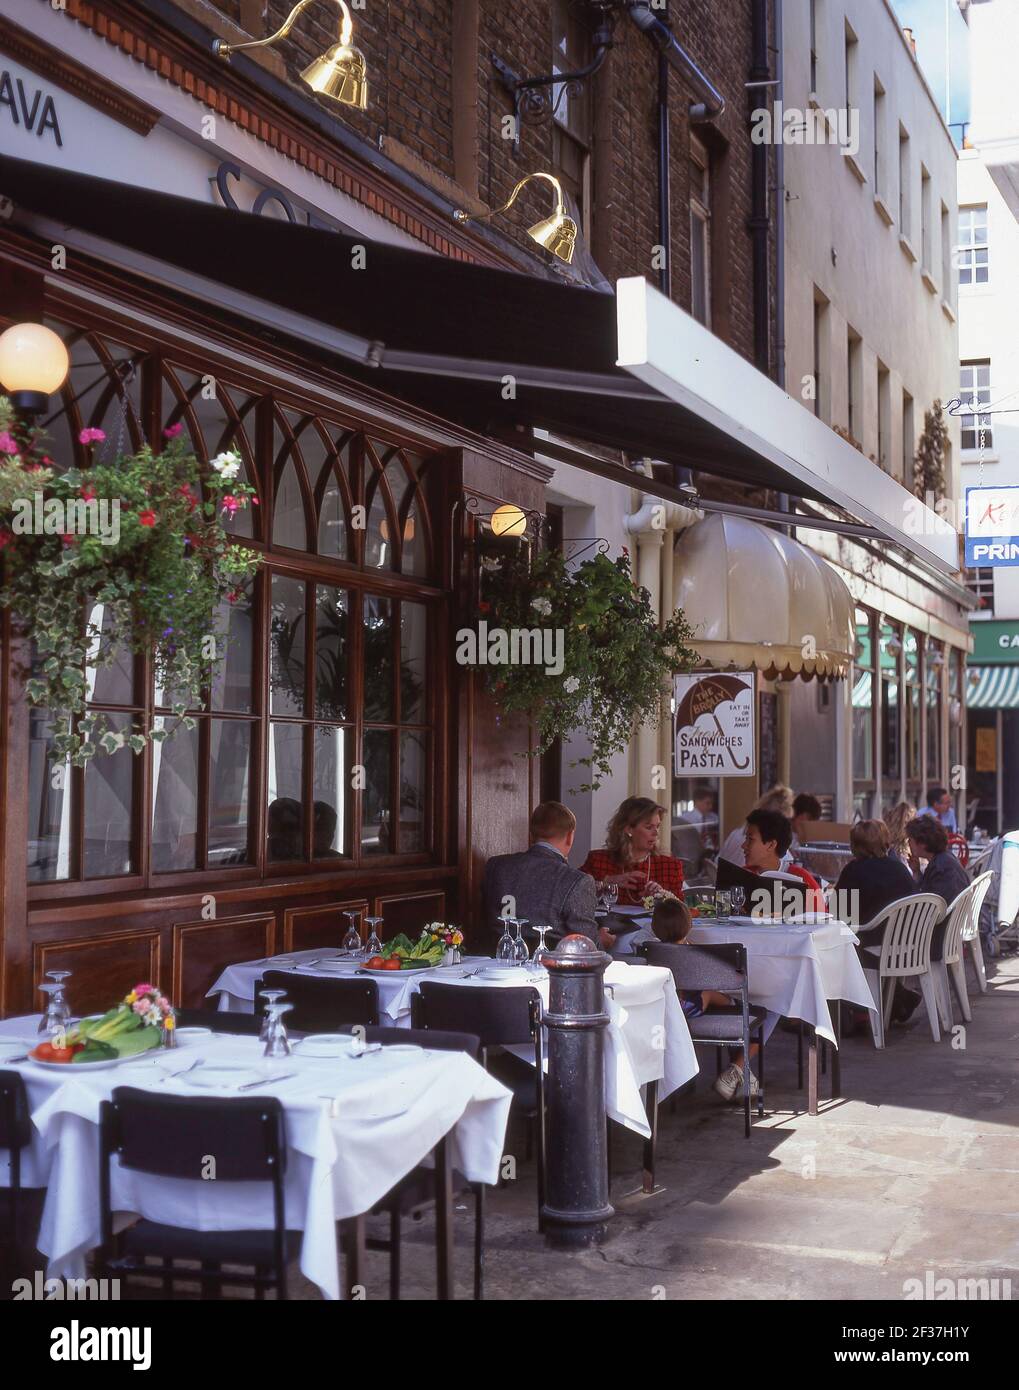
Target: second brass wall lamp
pixel 557 233
pixel 341 72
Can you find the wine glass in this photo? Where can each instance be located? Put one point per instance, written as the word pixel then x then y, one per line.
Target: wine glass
pixel 541 950
pixel 373 946
pixel 58 1013
pixel 610 894
pixel 270 996
pixel 277 1044
pixel 520 952
pixel 506 950
pixel 49 1022
pixel 352 940
pixel 737 900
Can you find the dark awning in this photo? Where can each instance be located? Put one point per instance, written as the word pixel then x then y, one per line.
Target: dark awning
pixel 435 331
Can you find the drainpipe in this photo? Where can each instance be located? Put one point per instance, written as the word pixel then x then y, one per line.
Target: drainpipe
pixel 760 73
pixel 712 103
pixel 664 177
pixel 651 523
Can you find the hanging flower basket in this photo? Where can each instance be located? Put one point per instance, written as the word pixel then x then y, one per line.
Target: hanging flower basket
pixel 142 537
pixel 610 661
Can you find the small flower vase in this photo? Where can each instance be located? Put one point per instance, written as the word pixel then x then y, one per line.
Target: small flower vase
pixel 451 956
pixel 169 1029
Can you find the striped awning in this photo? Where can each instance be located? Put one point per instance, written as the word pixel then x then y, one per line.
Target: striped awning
pixel 992 687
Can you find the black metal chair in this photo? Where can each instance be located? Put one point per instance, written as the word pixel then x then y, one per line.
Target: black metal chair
pixel 173 1137
pixel 414 1194
pixel 499 1017
pixel 17 1202
pixel 721 967
pixel 220 1021
pixel 323 1006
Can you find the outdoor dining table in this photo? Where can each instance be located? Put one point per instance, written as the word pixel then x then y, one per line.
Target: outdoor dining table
pixel 355 1126
pixel 647 1040
pixel 794 969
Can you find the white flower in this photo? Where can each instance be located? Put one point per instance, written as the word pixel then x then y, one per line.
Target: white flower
pixel 227 465
pixel 543 606
pixel 571 685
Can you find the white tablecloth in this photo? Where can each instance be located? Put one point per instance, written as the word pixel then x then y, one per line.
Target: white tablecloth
pixel 795 970
pixel 647 1038
pixel 343 1154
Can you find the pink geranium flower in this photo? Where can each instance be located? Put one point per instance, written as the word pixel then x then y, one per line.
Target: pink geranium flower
pixel 174 430
pixel 8 444
pixel 144 989
pixel 91 436
pixel 230 503
pixel 147 518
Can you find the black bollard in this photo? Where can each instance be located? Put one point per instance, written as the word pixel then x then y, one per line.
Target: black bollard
pixel 576 1206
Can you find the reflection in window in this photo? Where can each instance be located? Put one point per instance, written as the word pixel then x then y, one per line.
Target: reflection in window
pixel 229 765
pixel 332 524
pixel 331 653
pixel 863 701
pixel 175 799
pixel 331 825
pixel 231 681
pixel 413 637
pixel 376 825
pixel 287 646
pixel 109 803
pixel 289 526
pixel 378 659
pixel 112 684
pixel 412 793
pixel 285 823
pixel 49 805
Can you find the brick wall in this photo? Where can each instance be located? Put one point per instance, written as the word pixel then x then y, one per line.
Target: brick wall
pixel 408 46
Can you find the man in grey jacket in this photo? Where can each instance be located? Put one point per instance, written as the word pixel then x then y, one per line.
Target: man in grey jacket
pixel 537 884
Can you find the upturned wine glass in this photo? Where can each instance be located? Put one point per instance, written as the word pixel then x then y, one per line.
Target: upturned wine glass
pixel 506 949
pixel 271 996
pixel 352 940
pixel 520 952
pixel 541 951
pixel 277 1044
pixel 373 946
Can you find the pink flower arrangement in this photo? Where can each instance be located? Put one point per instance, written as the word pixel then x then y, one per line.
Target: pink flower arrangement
pixel 8 444
pixel 91 436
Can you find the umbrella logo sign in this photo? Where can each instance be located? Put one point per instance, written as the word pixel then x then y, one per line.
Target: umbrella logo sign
pixel 715 725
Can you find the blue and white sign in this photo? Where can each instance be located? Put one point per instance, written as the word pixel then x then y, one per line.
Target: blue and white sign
pixel 992 526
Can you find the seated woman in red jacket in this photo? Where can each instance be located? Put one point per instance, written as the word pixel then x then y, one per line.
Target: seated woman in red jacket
pixel 768 836
pixel 629 859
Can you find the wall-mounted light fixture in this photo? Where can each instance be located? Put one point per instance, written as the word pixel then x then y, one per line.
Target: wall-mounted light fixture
pixel 33 364
pixel 340 73
pixel 557 233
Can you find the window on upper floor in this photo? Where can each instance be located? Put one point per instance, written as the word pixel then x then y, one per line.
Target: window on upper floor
pixel 814 50
pixel 975 392
pixel 926 242
pixel 700 232
pixel 880 115
pixel 905 201
pixel 972 251
pixel 572 132
pixel 980 583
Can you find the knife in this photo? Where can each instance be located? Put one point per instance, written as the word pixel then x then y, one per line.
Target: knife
pixel 267 1081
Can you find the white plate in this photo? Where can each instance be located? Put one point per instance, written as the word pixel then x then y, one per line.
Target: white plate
pixel 187 1037
pixel 401 1047
pixel 324 1045
pixel 500 972
pixel 81 1067
pixel 410 970
pixel 338 963
pixel 222 1078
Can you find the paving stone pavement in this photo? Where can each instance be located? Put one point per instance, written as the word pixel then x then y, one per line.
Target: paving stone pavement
pixel 916 1169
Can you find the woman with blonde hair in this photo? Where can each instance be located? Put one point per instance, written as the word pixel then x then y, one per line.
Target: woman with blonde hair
pixel 777 798
pixel 896 820
pixel 629 859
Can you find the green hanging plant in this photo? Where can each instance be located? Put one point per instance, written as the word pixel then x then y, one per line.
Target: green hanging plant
pixel 144 538
pixel 616 661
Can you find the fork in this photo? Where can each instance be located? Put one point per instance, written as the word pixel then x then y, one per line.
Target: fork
pixel 198 1062
pixel 304 964
pixel 266 1081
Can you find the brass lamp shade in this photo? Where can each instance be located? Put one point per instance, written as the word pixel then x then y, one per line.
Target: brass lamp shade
pixel 340 73
pixel 557 234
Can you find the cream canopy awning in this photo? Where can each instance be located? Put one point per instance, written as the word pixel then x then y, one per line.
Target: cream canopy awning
pixel 755 598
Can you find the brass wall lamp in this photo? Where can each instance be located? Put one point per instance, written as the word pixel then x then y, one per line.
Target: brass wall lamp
pixel 557 233
pixel 341 72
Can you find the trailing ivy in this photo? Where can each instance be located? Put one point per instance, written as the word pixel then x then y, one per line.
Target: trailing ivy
pixel 617 661
pixel 144 538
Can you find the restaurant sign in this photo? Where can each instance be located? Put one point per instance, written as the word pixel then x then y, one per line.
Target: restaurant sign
pixel 992 526
pixel 715 724
pixel 995 642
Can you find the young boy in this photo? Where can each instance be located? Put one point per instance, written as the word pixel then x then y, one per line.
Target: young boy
pixel 670 922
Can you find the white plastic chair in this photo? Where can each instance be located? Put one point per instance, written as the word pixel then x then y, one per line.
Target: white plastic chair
pixel 961 924
pixel 905 950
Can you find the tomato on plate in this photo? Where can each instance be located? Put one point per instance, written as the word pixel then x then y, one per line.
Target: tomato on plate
pixel 393 964
pixel 47 1052
pixel 376 963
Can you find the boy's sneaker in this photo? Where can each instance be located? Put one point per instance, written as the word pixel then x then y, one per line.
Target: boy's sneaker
pixel 730 1084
